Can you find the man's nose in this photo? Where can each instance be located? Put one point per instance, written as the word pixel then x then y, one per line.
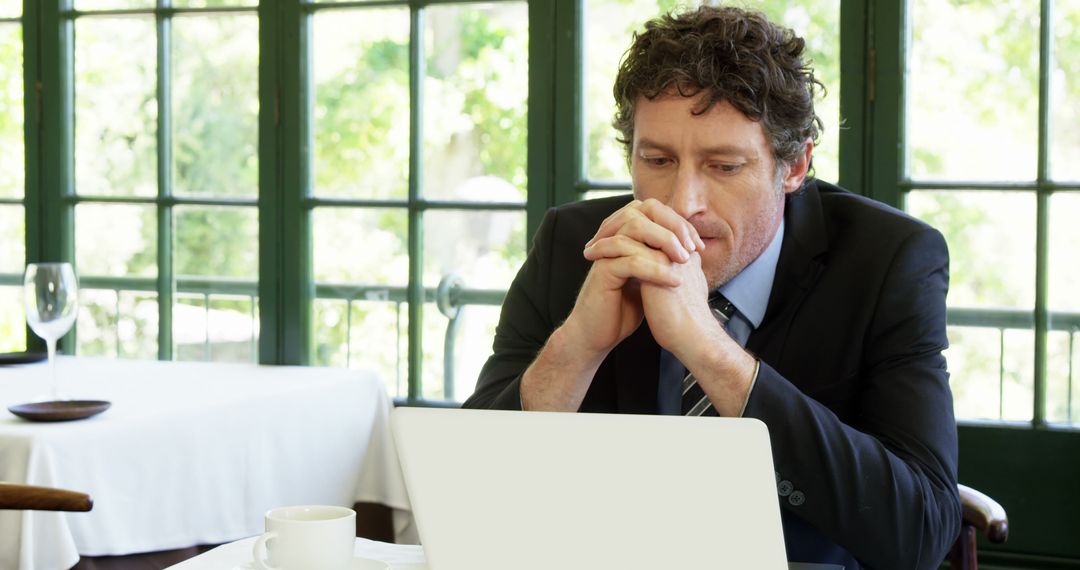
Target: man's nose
pixel 687 198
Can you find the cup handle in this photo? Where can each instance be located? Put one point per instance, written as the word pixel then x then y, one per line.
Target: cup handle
pixel 259 548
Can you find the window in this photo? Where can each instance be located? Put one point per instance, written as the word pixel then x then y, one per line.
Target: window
pixel 988 159
pixel 354 197
pixel 165 178
pixel 12 178
pixel 418 185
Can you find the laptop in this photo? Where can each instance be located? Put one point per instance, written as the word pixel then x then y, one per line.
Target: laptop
pixel 499 490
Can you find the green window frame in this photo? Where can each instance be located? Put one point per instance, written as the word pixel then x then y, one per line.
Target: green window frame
pixel 892 184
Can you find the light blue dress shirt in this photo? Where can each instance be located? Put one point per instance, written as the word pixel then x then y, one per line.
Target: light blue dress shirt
pixel 749 292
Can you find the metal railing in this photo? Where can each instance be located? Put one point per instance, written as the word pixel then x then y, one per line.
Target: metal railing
pixel 1003 320
pixel 452 299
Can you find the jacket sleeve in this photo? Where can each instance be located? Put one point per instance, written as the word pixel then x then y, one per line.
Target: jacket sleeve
pixel 882 485
pixel 524 326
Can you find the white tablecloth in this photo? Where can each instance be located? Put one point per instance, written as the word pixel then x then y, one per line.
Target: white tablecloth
pixel 237 556
pixel 190 453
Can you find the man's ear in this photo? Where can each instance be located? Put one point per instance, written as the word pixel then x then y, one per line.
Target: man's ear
pixel 797 170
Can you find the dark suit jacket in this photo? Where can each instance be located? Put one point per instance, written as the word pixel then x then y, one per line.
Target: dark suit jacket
pixel 852 384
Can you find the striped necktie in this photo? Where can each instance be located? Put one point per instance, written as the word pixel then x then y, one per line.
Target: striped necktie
pixel 694 400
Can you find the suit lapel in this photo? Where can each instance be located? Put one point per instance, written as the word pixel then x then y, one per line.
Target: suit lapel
pixel 796 271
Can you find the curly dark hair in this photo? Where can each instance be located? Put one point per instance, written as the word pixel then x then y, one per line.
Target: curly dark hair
pixel 729 54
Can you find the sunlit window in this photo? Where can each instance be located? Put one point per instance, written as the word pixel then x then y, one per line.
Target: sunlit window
pixel 978 170
pixel 12 178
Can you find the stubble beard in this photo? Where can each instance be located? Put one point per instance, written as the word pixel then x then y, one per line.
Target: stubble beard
pixel 760 235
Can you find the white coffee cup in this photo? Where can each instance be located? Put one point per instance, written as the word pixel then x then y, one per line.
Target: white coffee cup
pixel 307 537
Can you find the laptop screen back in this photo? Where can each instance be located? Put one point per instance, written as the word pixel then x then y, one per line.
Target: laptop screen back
pixel 497 490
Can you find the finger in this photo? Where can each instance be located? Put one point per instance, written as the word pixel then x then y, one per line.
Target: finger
pixel 623 246
pixel 658 237
pixel 663 215
pixel 643 269
pixel 634 224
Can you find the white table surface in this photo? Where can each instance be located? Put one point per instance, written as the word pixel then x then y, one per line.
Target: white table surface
pixel 238 556
pixel 190 453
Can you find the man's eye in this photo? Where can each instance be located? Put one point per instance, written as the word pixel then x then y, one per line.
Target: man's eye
pixel 658 161
pixel 727 167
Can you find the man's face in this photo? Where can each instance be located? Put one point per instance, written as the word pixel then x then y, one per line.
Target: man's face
pixel 717 171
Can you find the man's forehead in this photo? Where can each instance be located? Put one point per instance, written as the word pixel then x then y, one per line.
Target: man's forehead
pixel 720 127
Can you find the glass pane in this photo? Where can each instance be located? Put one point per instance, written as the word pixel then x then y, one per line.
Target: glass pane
pixel 373 334
pixel 120 324
pixel 608 28
pixel 973 90
pixel 223 330
pixel 12 160
pixel 991 238
pixel 115 106
pixel 985 384
pixel 472 337
pixel 215 102
pixel 1065 92
pixel 1064 264
pixel 217 241
pixel 12 239
pixel 1063 375
pixel 475 102
pixel 1063 372
pixel 10 8
pixel 116 240
pixel 12 320
pixel 361 246
pixel 484 248
pixel 361 114
pixel 112 4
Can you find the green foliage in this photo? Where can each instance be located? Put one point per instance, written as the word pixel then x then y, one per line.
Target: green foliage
pixel 11 112
pixel 360 117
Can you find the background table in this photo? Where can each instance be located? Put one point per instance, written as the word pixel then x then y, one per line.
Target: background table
pixel 190 453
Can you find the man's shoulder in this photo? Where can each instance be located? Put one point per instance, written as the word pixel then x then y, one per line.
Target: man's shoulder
pixel 595 208
pixel 575 223
pixel 846 210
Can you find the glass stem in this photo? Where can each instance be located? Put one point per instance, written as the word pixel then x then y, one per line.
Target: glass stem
pixel 51 344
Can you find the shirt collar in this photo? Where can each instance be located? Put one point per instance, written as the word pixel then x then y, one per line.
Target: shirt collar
pixel 749 290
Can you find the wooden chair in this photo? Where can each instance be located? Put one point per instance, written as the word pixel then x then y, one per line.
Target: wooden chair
pixel 14 496
pixel 983 514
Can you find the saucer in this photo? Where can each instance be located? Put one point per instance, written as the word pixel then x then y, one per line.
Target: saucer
pixel 59 410
pixel 21 357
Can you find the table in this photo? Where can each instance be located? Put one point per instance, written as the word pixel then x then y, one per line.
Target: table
pixel 190 453
pixel 237 555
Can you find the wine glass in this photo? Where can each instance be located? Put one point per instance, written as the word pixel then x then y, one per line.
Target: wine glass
pixel 51 293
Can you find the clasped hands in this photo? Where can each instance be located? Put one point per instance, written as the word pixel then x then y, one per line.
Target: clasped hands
pixel 647 265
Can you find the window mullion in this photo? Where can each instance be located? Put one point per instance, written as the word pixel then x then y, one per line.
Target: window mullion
pixel 165 288
pixel 416 214
pixel 888 40
pixel 1042 213
pixel 542 137
pixel 285 285
pixel 47 33
pixel 854 95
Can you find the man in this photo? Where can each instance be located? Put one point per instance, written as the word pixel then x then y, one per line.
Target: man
pixel 735 284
